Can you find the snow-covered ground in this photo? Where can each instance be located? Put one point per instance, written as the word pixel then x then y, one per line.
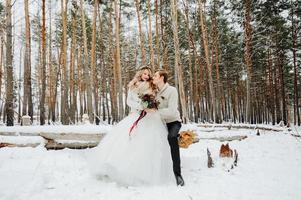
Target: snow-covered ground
pixel 269 167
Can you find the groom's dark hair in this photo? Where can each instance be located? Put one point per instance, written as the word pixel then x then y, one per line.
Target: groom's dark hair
pixel 164 74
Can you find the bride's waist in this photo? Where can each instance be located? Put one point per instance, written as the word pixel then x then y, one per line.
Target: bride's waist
pixel 135 111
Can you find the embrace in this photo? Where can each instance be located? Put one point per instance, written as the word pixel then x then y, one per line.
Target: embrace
pixel 142 149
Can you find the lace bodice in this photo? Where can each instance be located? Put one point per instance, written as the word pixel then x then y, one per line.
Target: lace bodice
pixel 133 100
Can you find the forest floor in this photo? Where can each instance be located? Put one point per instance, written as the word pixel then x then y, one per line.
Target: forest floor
pixel 269 167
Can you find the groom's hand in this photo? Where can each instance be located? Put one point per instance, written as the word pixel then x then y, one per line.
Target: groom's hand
pixel 150 110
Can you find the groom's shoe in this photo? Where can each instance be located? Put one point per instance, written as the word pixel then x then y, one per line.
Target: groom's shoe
pixel 180 180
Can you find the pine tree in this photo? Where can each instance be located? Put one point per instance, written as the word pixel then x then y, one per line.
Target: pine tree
pixel 27 95
pixel 43 65
pixel 178 67
pixel 9 103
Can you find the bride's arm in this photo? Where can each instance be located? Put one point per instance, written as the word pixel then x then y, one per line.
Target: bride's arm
pixel 133 101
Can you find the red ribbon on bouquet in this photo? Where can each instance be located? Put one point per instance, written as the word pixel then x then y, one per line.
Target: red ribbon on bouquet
pixel 142 114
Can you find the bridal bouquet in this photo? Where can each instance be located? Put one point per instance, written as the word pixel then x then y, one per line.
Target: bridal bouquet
pixel 147 101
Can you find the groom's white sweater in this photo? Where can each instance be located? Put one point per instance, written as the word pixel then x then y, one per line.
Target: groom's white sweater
pixel 168 107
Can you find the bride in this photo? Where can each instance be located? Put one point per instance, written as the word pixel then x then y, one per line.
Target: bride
pixel 140 156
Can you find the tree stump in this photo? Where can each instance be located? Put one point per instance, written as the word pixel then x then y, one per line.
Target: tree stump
pixel 86 118
pixel 225 151
pixel 26 120
pixel 235 158
pixel 210 163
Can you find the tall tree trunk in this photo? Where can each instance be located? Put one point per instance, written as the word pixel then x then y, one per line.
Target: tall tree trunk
pixel 102 66
pixel 178 67
pixel 248 57
pixel 190 44
pixel 271 95
pixel 43 66
pixel 164 36
pixel 19 86
pixel 215 60
pixel 63 57
pixel 198 77
pixel 118 62
pixel 276 90
pixel 150 35
pixel 112 78
pixel 1 69
pixel 56 76
pixel 9 104
pixel 86 64
pixel 80 80
pixel 39 67
pixel 27 96
pixel 104 95
pixel 296 72
pixel 282 84
pixel 197 88
pixel 207 59
pixel 141 37
pixel 72 63
pixel 158 50
pixel 93 63
pixel 50 80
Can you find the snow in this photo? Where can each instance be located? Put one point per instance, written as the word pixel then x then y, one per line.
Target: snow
pixel 268 168
pixel 21 139
pixel 87 128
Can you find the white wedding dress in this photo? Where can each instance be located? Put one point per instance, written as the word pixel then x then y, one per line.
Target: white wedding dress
pixel 143 158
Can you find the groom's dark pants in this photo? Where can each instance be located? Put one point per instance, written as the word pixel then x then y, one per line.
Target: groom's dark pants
pixel 173 131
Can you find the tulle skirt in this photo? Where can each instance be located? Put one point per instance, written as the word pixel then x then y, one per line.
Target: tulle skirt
pixel 143 158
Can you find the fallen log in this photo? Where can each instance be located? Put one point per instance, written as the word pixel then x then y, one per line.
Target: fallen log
pixel 56 135
pixel 3 144
pixel 18 134
pixel 57 141
pixel 224 139
pixel 240 126
pixel 73 136
pixel 55 145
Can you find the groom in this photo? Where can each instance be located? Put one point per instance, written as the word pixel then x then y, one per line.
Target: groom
pixel 168 109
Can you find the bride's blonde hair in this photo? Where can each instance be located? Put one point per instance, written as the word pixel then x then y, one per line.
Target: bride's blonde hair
pixel 138 78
